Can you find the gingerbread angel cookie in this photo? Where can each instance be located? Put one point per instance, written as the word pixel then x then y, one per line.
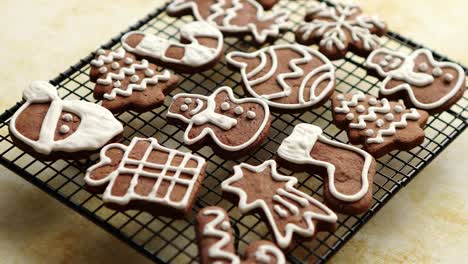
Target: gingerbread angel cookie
pixel 418 79
pixel 50 128
pixel 348 171
pixel 200 48
pixel 216 242
pixel 288 77
pixel 287 211
pixel 125 83
pixel 381 126
pixel 147 176
pixel 234 17
pixel 232 127
pixel 341 28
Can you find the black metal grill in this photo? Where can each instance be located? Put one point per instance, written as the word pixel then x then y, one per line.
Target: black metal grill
pixel 167 240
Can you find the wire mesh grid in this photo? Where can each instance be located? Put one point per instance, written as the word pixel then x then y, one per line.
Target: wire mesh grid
pixel 166 240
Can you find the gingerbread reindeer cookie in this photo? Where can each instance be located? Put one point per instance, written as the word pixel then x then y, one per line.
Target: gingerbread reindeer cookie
pixel 288 77
pixel 216 242
pixel 232 127
pixel 287 211
pixel 200 48
pixel 125 83
pixel 418 79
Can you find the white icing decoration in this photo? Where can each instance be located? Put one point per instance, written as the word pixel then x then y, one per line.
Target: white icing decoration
pixel 383 63
pixel 391 130
pixel 64 129
pixel 437 72
pixel 380 123
pixel 188 101
pixel 225 106
pixel 239 110
pixel 388 57
pixel 261 254
pixel 67 117
pixel 251 115
pixel 149 73
pixel 117 84
pixel 389 117
pixel 369 132
pixel 396 62
pixel 134 79
pixel 225 226
pixel 128 61
pixel 198 108
pixel 448 78
pixel 340 97
pixel 423 67
pixel 372 101
pixel 115 65
pixel 101 52
pixel 360 109
pixel 184 108
pixel 398 108
pixel 344 108
pixel 111 57
pixel 350 116
pixel 102 70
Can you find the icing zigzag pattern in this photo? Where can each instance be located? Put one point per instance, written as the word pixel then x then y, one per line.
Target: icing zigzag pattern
pixel 413 115
pixel 346 104
pixel 124 71
pixel 371 114
pixel 103 59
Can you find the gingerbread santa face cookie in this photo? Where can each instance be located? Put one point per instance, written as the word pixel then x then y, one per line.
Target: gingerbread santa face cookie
pixel 287 211
pixel 216 241
pixel 348 171
pixel 341 28
pixel 200 48
pixel 418 79
pixel 380 126
pixel 145 175
pixel 50 128
pixel 234 17
pixel 125 83
pixel 232 127
pixel 287 77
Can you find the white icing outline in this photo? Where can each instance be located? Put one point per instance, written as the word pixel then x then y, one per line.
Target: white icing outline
pixel 261 254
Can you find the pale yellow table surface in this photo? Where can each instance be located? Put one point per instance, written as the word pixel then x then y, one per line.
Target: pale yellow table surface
pixel 427 222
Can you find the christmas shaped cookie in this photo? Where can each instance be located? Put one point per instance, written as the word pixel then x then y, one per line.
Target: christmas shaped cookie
pixel 287 77
pixel 418 79
pixel 125 83
pixel 232 127
pixel 147 176
pixel 234 17
pixel 50 128
pixel 381 126
pixel 348 171
pixel 216 241
pixel 341 28
pixel 287 211
pixel 200 48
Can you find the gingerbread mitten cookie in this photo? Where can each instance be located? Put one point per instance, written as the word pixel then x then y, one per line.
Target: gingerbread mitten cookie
pixel 418 79
pixel 50 128
pixel 232 127
pixel 200 49
pixel 381 126
pixel 287 77
pixel 125 83
pixel 287 210
pixel 337 29
pixel 348 171
pixel 147 176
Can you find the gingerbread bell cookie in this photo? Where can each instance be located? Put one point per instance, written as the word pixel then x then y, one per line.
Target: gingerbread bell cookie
pixel 216 241
pixel 50 128
pixel 288 211
pixel 235 17
pixel 200 48
pixel 125 83
pixel 341 28
pixel 288 77
pixel 232 127
pixel 381 126
pixel 348 171
pixel 147 176
pixel 418 79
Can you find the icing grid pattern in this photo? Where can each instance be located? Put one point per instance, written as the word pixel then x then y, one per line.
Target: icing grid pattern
pixel 153 236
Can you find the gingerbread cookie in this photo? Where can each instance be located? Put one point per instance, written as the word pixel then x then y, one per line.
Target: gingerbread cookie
pixel 50 128
pixel 147 176
pixel 287 77
pixel 348 171
pixel 287 210
pixel 381 126
pixel 125 83
pixel 200 48
pixel 418 79
pixel 234 17
pixel 337 29
pixel 232 127
pixel 216 241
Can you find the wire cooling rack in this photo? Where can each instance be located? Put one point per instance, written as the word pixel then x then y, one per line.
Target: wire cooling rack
pixel 166 240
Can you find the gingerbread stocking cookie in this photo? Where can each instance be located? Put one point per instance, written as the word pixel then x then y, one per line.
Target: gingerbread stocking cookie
pixel 232 127
pixel 200 48
pixel 381 126
pixel 418 79
pixel 337 29
pixel 287 77
pixel 50 128
pixel 147 176
pixel 287 210
pixel 125 83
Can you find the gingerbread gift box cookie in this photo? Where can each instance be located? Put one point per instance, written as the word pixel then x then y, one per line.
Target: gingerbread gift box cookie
pixel 147 176
pixel 50 128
